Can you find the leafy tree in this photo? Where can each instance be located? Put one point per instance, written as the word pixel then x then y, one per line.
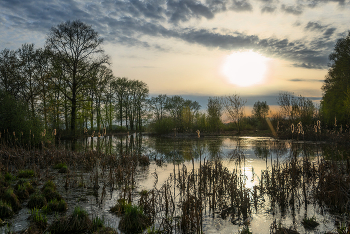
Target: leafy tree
pixel 336 86
pixel 234 107
pixel 260 111
pixel 10 81
pixel 214 110
pixel 77 47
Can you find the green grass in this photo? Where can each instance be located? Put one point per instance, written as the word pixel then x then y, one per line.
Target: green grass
pixel 5 210
pixel 36 201
pixel 38 218
pixel 310 223
pixel 26 174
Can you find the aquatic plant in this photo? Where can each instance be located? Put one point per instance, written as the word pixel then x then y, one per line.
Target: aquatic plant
pixel 55 205
pixel 11 198
pixel 36 200
pixel 5 210
pixel 310 223
pixel 38 218
pixel 134 220
pixel 26 174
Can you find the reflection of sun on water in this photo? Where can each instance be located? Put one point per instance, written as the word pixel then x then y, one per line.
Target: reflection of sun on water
pixel 250 179
pixel 245 68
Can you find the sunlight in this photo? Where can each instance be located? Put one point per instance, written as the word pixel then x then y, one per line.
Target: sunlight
pixel 245 68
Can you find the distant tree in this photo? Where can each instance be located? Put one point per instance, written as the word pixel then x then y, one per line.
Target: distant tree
pixel 336 87
pixel 76 46
pixel 260 110
pixel 157 104
pixel 10 81
pixel 234 107
pixel 296 108
pixel 214 110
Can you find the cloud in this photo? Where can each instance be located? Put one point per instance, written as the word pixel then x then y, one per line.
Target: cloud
pixel 314 26
pixel 133 22
pixel 305 80
pixel 295 10
pixel 241 5
pixel 268 9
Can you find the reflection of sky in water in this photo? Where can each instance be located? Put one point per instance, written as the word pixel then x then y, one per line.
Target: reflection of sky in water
pixel 247 155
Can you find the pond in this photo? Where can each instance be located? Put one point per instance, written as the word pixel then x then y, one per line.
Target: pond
pixel 238 181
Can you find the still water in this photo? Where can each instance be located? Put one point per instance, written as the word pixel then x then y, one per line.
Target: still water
pixel 248 156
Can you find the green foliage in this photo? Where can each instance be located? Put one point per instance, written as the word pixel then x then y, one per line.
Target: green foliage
pixel 163 126
pixel 78 222
pixel 120 207
pixel 9 177
pixel 97 223
pixel 310 223
pixel 38 218
pixel 11 198
pixel 134 220
pixel 59 165
pixel 55 205
pixel 5 210
pixel 214 110
pixel 336 88
pixel 36 200
pixel 15 119
pixel 246 230
pixel 26 174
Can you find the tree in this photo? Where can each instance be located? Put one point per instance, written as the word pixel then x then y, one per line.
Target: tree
pixel 335 98
pixel 214 110
pixel 260 110
pixel 234 107
pixel 77 47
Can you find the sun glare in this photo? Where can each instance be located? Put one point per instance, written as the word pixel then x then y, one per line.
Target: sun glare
pixel 245 68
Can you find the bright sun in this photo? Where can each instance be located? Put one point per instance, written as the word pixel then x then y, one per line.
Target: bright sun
pixel 245 68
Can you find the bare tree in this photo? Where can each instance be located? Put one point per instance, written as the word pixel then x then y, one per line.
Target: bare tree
pixel 234 107
pixel 77 47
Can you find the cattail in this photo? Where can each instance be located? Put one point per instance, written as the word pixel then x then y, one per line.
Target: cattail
pixel 335 121
pixel 54 132
pixel 315 127
pixel 292 128
pixel 22 133
pixel 14 133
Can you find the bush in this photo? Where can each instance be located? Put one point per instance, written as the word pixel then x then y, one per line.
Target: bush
pixel 163 126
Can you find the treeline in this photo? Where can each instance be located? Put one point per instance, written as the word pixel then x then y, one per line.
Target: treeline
pixel 67 86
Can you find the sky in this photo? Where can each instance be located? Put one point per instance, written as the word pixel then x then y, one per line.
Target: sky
pixel 199 48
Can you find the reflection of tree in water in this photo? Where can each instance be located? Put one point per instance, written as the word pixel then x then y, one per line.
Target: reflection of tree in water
pixel 214 147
